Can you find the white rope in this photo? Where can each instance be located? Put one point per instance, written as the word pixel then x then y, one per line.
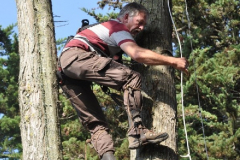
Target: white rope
pixel 199 105
pixel 180 47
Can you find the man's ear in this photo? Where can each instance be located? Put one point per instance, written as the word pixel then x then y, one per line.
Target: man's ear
pixel 125 18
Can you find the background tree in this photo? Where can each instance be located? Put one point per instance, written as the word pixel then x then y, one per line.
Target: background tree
pixel 212 45
pixel 10 140
pixel 38 94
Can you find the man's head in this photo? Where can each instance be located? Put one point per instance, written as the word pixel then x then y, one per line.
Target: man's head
pixel 134 16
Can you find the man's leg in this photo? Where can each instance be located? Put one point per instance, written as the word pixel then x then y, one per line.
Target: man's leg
pixel 138 135
pixel 90 114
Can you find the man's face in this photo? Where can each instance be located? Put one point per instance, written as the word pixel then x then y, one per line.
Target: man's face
pixel 136 23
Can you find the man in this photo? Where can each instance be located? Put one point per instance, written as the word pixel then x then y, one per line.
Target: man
pixel 86 59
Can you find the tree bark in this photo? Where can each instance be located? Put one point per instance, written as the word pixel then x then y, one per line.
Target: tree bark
pixel 159 108
pixel 38 91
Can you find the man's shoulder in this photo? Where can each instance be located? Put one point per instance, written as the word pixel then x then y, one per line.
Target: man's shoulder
pixel 115 26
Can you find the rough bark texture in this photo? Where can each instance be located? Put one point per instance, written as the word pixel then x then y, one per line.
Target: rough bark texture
pixel 159 108
pixel 38 93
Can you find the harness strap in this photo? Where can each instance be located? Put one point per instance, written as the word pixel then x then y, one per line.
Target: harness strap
pixel 92 47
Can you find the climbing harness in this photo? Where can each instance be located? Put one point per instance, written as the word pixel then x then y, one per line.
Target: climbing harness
pixel 188 154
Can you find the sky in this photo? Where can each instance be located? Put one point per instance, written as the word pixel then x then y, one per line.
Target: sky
pixel 63 10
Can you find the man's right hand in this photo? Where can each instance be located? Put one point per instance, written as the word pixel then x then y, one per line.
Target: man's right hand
pixel 181 64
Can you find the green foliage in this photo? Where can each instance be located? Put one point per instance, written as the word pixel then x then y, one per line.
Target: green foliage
pixel 10 140
pixel 98 16
pixel 110 3
pixel 77 150
pixel 214 67
pixel 60 43
pixel 122 153
pixel 6 45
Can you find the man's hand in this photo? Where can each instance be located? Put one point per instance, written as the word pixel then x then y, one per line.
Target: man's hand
pixel 181 64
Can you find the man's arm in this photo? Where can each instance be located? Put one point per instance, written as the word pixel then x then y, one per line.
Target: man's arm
pixel 149 57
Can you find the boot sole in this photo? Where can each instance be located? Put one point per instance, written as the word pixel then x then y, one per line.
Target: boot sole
pixel 159 139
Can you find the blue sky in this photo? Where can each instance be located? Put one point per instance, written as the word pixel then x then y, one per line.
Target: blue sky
pixel 68 10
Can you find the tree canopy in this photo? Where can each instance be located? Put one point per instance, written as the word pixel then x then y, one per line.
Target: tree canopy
pixel 212 47
pixel 10 140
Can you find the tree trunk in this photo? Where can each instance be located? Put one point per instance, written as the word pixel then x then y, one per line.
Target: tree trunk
pixel 38 91
pixel 159 107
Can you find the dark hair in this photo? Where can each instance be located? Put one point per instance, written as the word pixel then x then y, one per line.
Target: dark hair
pixel 132 9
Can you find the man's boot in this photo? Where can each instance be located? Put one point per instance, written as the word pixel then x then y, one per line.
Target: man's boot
pixel 139 135
pixel 108 156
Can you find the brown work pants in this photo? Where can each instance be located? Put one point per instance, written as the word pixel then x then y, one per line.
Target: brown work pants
pixel 89 67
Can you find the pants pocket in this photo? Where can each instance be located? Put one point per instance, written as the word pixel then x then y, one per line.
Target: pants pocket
pixel 72 55
pixel 101 63
pixel 65 62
